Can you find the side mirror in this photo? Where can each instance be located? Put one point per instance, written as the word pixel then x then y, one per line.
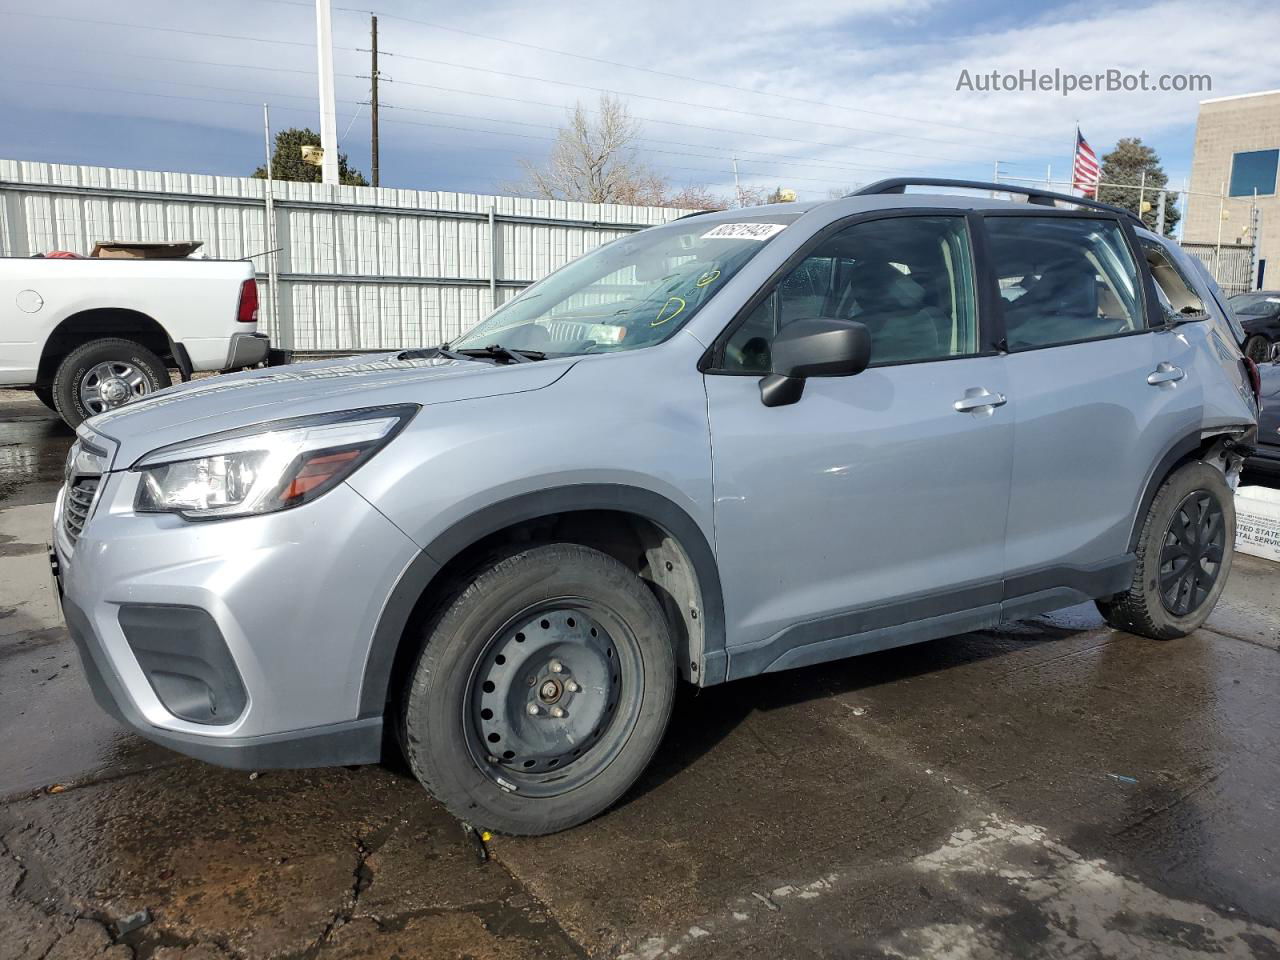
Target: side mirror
pixel 820 347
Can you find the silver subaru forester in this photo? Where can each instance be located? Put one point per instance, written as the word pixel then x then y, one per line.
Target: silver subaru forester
pixel 737 443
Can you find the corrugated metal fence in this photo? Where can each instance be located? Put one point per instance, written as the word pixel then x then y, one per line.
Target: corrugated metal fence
pixel 359 268
pixel 1231 264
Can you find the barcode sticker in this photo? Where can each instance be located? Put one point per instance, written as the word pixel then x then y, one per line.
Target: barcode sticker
pixel 744 231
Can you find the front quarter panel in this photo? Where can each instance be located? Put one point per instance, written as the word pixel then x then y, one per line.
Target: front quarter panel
pixel 636 419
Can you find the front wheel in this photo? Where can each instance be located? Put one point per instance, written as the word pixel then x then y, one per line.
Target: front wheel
pixel 104 374
pixel 541 692
pixel 1184 556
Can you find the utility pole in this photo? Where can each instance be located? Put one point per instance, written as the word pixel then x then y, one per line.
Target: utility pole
pixel 273 282
pixel 1222 215
pixel 373 100
pixel 1160 212
pixel 737 188
pixel 328 107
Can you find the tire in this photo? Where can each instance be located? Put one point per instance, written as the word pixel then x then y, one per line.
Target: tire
pixel 479 674
pixel 138 369
pixel 45 396
pixel 1257 348
pixel 1183 511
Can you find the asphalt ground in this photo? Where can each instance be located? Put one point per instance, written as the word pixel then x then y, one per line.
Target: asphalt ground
pixel 1051 788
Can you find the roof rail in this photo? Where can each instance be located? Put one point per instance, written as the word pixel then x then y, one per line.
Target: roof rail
pixel 1044 198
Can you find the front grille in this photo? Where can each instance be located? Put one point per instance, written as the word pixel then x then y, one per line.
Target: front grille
pixel 76 506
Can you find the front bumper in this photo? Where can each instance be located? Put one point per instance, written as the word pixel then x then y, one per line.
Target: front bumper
pixel 291 601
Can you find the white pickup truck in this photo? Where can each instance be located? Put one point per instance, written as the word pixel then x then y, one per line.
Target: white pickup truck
pixel 90 334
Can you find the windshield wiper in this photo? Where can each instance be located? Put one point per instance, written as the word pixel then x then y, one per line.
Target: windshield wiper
pixel 497 351
pixel 426 353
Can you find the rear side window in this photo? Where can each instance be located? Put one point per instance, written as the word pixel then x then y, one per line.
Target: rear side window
pixel 1177 298
pixel 1064 280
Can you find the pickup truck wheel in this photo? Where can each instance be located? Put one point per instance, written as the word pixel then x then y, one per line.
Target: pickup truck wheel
pixel 105 374
pixel 541 691
pixel 45 396
pixel 1184 557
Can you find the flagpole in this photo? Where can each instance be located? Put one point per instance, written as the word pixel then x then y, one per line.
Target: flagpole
pixel 1075 152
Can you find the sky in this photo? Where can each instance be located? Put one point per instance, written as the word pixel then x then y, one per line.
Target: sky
pixel 814 95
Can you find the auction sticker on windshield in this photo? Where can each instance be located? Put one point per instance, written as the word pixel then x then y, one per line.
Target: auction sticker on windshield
pixel 743 231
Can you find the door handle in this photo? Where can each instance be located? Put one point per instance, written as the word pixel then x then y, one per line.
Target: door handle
pixel 979 400
pixel 1165 372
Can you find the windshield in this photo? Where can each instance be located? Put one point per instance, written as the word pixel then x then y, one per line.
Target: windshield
pixel 633 292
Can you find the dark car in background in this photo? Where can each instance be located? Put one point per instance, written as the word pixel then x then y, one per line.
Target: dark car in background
pixel 1265 461
pixel 1259 314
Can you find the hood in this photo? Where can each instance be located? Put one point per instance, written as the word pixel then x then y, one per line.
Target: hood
pixel 214 404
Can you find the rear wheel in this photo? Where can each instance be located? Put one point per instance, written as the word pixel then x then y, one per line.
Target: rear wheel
pixel 1184 556
pixel 541 692
pixel 1258 348
pixel 104 374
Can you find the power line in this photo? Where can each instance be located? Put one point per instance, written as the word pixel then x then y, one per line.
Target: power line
pixel 681 103
pixel 836 146
pixel 178 83
pixel 692 79
pixel 677 123
pixel 147 26
pixel 781 159
pixel 169 96
pixel 529 136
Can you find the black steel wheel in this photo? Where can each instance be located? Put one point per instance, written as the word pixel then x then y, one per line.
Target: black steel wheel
pixel 543 687
pixel 1191 556
pixel 1183 558
pixel 555 697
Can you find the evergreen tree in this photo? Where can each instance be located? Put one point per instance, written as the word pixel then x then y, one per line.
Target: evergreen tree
pixel 287 163
pixel 1126 165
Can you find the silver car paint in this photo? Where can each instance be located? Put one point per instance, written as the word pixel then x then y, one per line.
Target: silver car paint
pixel 870 489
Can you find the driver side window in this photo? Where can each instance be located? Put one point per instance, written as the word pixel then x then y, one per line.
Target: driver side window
pixel 909 280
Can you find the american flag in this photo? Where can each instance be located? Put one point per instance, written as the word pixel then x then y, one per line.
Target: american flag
pixel 1084 172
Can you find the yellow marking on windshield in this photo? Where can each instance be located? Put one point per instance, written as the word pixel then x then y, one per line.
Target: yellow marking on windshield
pixel 711 276
pixel 660 319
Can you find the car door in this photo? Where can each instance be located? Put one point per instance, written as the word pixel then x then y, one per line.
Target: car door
pixel 871 512
pixel 1102 392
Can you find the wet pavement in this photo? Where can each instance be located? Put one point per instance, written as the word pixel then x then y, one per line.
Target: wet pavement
pixel 1052 788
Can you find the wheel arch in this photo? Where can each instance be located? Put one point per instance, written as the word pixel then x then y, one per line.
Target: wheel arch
pixel 99 323
pixel 674 558
pixel 1207 446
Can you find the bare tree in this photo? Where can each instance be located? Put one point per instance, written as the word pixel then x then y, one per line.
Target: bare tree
pixel 594 160
pixel 759 196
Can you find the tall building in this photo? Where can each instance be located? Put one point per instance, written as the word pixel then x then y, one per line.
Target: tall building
pixel 1237 156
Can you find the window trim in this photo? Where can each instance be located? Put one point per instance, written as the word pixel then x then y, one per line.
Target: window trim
pixel 1148 305
pixel 712 360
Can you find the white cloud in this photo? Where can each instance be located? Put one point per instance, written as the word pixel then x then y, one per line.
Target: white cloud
pixel 884 74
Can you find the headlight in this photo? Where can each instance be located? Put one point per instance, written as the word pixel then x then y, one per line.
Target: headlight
pixel 269 467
